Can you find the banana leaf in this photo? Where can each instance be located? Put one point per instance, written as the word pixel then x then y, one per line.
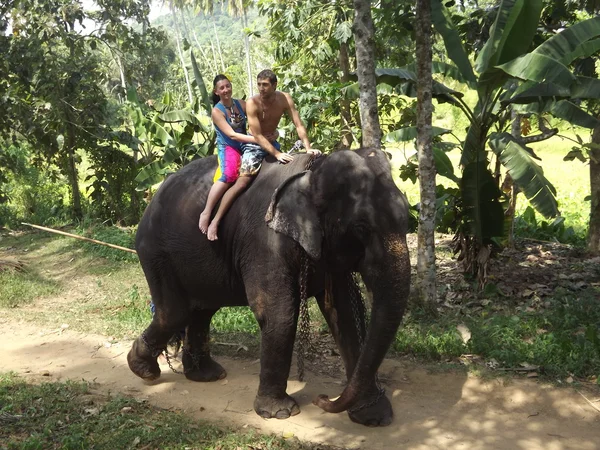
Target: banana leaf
pixel 570 112
pixel 519 31
pixel 526 173
pixel 200 85
pixel 505 18
pixel 410 134
pixel 540 68
pixel 566 45
pixel 150 175
pixel 443 165
pixel 586 88
pixel 584 50
pixel 443 24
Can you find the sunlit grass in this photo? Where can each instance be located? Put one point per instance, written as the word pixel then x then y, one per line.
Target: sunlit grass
pixel 72 416
pixel 570 178
pixel 20 288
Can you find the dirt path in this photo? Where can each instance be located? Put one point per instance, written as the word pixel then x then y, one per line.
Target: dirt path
pixel 432 411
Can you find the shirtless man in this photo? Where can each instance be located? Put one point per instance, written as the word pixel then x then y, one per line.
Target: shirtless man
pixel 264 111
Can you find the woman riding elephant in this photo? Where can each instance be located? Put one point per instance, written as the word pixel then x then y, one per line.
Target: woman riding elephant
pixel 345 215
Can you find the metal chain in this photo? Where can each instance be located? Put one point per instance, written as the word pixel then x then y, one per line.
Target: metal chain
pixel 304 317
pixel 305 345
pixel 155 352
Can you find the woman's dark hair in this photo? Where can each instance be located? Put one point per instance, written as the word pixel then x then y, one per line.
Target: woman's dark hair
pixel 215 97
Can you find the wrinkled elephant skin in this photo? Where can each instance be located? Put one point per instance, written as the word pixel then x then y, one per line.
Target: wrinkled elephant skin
pixel 345 215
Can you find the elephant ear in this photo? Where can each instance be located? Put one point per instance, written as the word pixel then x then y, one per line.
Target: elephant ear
pixel 293 213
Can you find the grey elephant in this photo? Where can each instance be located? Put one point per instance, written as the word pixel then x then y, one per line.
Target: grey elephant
pixel 345 215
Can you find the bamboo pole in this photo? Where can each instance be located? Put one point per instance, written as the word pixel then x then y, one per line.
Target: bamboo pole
pixel 118 247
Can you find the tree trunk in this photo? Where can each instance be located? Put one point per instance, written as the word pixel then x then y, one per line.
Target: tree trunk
pixel 72 171
pixel 218 43
pixel 180 52
pixel 247 49
pixel 346 137
pixel 594 230
pixel 426 235
pixel 365 69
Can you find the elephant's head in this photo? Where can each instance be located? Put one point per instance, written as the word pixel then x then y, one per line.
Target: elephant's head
pixel 349 212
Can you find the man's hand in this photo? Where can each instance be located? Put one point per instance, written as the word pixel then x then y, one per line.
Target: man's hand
pixel 284 158
pixel 313 151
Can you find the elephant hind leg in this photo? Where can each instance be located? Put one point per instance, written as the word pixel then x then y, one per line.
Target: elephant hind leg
pixel 170 317
pixel 142 360
pixel 197 361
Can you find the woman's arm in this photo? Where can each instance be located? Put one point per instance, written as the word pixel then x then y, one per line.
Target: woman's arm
pixel 218 118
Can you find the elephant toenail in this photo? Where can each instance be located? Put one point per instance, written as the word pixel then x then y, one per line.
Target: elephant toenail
pixel 283 414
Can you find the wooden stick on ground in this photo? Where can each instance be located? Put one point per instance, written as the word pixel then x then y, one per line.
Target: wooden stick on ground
pixel 118 247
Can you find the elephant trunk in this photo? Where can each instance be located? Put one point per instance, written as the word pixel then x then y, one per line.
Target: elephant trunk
pixel 386 272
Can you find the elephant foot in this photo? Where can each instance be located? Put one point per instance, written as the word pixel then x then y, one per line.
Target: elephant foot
pixel 203 369
pixel 278 408
pixel 141 362
pixel 379 414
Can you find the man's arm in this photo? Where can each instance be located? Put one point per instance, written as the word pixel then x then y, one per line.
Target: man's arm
pixel 295 116
pixel 256 130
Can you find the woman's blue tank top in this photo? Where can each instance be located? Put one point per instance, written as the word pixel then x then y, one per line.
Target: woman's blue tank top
pixel 237 122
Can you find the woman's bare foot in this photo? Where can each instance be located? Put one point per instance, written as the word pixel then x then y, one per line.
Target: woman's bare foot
pixel 212 231
pixel 204 220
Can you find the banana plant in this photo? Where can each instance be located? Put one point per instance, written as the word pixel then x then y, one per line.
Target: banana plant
pixel 505 75
pixel 168 138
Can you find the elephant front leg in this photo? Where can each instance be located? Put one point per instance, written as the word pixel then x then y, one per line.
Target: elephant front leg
pixel 197 362
pixel 276 314
pixel 344 312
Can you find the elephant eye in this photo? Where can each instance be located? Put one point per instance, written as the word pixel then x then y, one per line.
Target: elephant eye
pixel 361 230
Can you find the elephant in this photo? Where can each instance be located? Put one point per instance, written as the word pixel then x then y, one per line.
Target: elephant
pixel 343 215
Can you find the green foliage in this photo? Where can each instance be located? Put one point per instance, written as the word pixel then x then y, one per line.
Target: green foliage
pixel 428 339
pixel 562 338
pixel 32 193
pixel 165 137
pixel 123 237
pixel 57 415
pixel 111 191
pixel 235 319
pixel 20 288
pixel 527 225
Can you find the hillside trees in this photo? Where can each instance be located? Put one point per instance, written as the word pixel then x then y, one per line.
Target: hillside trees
pixel 57 94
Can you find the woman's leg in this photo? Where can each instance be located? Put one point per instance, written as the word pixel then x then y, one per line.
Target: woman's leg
pixel 216 192
pixel 240 186
pixel 227 173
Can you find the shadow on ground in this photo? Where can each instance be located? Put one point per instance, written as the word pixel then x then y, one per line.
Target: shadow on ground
pixel 432 411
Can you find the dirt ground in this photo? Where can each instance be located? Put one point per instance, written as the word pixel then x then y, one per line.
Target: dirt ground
pixel 449 410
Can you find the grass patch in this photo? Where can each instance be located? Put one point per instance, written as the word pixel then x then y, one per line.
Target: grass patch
pixel 235 320
pixel 562 338
pixel 20 288
pixel 72 416
pixel 123 237
pixel 570 178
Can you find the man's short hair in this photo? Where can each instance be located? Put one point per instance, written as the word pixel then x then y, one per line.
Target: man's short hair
pixel 267 74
